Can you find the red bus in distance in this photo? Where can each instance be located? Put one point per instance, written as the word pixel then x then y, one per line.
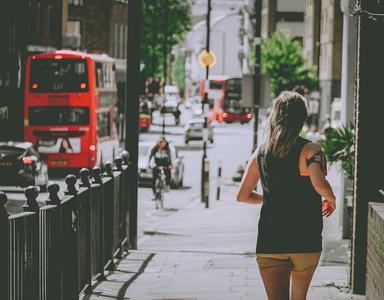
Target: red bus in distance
pixel 69 108
pixel 225 99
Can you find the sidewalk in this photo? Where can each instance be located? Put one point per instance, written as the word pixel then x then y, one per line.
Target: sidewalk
pixel 202 253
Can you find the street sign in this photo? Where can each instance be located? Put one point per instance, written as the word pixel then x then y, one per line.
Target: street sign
pixel 207 59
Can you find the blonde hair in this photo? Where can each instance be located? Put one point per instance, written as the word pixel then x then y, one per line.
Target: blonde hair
pixel 285 122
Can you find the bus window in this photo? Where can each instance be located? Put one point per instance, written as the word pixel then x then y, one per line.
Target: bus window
pixel 58 115
pixel 99 75
pixel 58 76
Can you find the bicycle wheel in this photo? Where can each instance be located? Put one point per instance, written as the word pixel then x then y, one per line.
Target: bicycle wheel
pixel 158 194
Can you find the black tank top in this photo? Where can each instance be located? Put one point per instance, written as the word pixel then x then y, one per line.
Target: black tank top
pixel 290 218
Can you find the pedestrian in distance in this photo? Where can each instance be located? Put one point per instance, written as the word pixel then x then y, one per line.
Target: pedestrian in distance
pixel 292 173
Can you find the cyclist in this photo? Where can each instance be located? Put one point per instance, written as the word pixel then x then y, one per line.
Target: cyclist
pixel 162 157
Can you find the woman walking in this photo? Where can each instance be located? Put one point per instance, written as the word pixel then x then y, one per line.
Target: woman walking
pixel 292 173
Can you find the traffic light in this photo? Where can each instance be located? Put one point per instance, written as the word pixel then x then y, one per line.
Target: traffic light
pixel 153 86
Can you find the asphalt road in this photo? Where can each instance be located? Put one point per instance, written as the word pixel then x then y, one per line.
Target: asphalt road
pixel 232 146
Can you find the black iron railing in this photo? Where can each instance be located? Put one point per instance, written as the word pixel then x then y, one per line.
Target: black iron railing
pixel 56 251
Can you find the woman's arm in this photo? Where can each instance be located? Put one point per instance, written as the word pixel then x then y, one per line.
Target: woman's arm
pixel 317 176
pixel 251 176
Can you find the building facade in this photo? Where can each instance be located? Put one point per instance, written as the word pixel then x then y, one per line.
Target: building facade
pixel 26 27
pixel 331 41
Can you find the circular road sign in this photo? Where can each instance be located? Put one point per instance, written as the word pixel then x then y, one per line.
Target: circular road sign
pixel 207 59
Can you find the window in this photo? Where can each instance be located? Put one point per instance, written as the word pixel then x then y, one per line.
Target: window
pixel 58 76
pixel 105 75
pixel 215 85
pixel 103 124
pixel 76 2
pixel 52 20
pixel 58 115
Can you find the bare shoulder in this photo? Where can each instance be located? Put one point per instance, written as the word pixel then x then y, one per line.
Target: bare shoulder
pixel 254 154
pixel 311 149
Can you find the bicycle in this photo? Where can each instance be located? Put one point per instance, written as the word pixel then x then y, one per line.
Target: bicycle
pixel 160 187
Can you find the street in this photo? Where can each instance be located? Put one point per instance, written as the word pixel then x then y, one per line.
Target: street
pixel 232 145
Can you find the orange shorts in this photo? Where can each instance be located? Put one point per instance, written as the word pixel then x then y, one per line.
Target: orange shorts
pixel 297 261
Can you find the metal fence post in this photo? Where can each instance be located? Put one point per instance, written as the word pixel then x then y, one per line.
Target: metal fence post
pixel 98 247
pixel 126 163
pixel 84 199
pixel 31 270
pixel 109 199
pixel 54 242
pixel 69 225
pixel 53 199
pixel 4 255
pixel 121 205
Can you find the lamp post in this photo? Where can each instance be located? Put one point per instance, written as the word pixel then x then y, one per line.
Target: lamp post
pixel 132 113
pixel 257 70
pixel 207 60
pixel 165 58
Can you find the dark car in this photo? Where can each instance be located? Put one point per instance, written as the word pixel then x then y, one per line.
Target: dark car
pixel 21 165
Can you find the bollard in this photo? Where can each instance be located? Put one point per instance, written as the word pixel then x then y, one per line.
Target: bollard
pixel 206 183
pixel 31 205
pixel 53 199
pixel 220 162
pixel 84 177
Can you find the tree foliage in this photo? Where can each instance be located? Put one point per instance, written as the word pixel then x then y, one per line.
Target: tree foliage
pixel 282 60
pixel 178 71
pixel 164 22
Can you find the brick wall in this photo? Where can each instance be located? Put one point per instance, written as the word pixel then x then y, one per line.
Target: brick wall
pixel 375 252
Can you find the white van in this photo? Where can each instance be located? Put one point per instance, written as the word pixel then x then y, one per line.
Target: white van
pixel 172 98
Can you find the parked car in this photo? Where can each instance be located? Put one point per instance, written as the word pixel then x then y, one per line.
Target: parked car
pixel 193 130
pixel 145 172
pixel 21 165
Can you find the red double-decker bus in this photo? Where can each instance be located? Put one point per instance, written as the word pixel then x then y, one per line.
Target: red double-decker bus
pixel 69 107
pixel 224 94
